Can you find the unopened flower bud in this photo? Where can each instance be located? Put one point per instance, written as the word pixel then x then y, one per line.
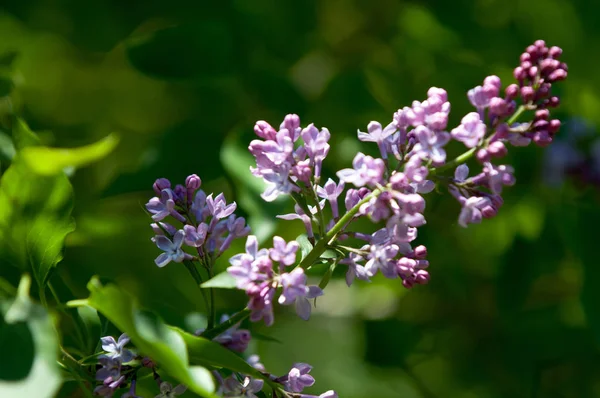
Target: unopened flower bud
pixel 160 184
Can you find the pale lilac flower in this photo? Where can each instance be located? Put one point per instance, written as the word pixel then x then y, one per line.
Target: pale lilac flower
pixel 237 229
pixel 282 252
pixel 246 389
pixel 381 258
pixel 199 208
pixel 254 361
pixel 366 171
pixel 116 349
pixel 355 270
pixel 291 123
pixel 378 135
pixel 470 131
pixel 471 210
pixel 298 378
pixel 218 207
pixel 353 196
pixel 461 173
pixel 161 208
pixel 111 368
pixel 233 338
pixel 251 266
pixel 160 184
pixel 294 285
pixel 498 176
pixel 261 302
pixel 303 307
pixel 172 249
pixel 195 236
pixel 160 228
pixel 278 183
pixel 168 391
pixel 316 146
pixel 430 144
pixel 331 191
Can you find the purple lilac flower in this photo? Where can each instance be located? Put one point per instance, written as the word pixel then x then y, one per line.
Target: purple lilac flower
pixel 355 270
pixel 195 236
pixel 378 135
pixel 172 249
pixel 316 146
pixel 471 130
pixel 284 253
pixel 298 378
pixel 498 176
pixel 218 207
pixel 296 290
pixel 471 210
pixel 381 258
pixel 168 391
pixel 116 349
pixel 247 388
pixel 430 144
pixel 331 191
pixel 233 338
pixel 366 171
pixel 161 207
pixel 251 266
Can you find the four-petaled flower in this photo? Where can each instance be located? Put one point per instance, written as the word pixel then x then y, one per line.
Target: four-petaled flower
pixel 172 249
pixel 115 349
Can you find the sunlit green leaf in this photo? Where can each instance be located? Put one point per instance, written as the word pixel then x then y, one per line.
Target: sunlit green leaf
pixel 305 245
pixel 150 335
pixel 29 347
pixel 35 217
pixel 50 161
pixel 223 280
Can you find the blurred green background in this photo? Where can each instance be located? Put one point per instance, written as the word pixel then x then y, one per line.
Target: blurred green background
pixel 512 306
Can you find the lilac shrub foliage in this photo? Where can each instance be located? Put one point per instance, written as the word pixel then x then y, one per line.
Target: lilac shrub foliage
pixel 192 227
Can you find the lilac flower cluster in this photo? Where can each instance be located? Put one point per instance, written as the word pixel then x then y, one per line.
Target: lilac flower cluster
pixel 241 385
pixel 209 225
pixel 111 362
pixel 254 272
pixel 388 189
pixel 295 381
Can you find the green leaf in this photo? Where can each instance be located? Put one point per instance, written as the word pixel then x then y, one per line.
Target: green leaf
pixel 22 135
pixel 51 161
pixel 208 353
pixel 35 217
pixel 150 335
pixel 29 347
pixel 305 245
pixel 222 281
pixel 327 276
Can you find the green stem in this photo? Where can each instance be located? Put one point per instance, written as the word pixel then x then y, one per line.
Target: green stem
pixel 198 278
pixel 212 313
pixel 220 328
pixel 321 245
pixel 467 155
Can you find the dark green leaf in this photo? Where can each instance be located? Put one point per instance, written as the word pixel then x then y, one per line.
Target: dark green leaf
pixel 150 335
